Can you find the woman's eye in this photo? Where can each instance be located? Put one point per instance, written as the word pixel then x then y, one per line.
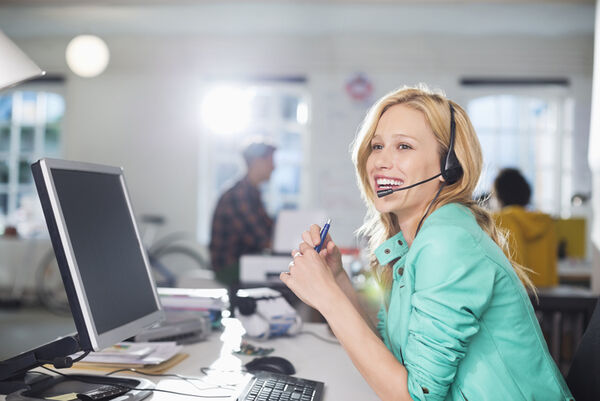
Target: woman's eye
pixel 376 146
pixel 404 146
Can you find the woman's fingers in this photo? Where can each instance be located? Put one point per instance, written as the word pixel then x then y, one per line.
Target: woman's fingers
pixel 312 237
pixel 315 234
pixel 304 247
pixel 306 237
pixel 285 277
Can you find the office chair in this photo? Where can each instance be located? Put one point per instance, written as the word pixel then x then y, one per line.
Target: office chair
pixel 585 369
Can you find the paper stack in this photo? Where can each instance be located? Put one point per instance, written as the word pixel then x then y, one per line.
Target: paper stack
pixel 194 298
pixel 209 303
pixel 149 356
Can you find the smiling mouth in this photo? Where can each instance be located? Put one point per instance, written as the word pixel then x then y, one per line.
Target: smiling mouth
pixel 382 184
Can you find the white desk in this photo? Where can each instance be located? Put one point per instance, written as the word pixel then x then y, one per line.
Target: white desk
pixel 313 359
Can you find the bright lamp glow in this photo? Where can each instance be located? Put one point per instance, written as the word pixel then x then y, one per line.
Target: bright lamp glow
pixel 87 55
pixel 226 109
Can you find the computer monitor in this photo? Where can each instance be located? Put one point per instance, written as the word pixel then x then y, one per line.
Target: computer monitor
pixel 103 265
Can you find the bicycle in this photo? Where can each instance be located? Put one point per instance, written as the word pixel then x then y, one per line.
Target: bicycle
pixel 174 249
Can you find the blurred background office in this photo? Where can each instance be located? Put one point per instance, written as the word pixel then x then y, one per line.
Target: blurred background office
pixel 169 89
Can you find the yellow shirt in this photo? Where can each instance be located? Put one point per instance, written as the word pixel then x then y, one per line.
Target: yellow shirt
pixel 532 242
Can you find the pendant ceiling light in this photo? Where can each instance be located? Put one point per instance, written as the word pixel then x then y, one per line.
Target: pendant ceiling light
pixel 87 55
pixel 15 66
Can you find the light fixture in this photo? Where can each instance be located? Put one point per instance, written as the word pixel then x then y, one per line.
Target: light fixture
pixel 15 66
pixel 87 55
pixel 226 109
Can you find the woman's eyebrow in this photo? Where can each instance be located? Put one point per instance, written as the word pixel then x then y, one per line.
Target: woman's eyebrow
pixel 396 136
pixel 404 136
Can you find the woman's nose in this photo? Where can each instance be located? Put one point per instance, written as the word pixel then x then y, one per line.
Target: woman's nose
pixel 383 159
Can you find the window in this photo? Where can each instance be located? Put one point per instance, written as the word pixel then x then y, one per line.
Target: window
pixel 30 128
pixel 234 112
pixel 532 133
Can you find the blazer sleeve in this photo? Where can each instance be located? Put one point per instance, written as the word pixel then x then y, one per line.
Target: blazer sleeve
pixel 453 286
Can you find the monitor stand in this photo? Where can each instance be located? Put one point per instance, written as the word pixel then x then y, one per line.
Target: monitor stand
pixel 16 373
pixel 66 388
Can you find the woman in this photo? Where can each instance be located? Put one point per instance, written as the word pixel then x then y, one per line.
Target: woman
pixel 457 323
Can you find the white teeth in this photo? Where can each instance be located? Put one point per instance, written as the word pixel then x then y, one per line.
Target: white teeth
pixel 388 181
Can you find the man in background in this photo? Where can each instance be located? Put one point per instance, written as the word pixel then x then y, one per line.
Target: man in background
pixel 531 235
pixel 240 223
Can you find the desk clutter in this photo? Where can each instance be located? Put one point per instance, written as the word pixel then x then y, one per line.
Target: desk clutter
pixel 209 303
pixel 265 313
pixel 148 357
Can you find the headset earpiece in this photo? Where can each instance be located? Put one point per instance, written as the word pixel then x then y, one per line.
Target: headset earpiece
pixel 450 167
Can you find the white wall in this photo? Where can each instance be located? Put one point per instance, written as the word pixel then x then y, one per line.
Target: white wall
pixel 142 113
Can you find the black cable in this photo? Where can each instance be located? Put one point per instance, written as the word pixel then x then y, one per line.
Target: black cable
pixel 429 207
pixel 74 377
pixel 319 337
pixel 80 357
pixel 188 379
pixel 64 362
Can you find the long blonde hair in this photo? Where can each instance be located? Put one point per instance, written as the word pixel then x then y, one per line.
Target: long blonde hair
pixel 378 227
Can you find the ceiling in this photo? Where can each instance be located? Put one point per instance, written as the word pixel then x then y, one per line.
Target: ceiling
pixel 34 18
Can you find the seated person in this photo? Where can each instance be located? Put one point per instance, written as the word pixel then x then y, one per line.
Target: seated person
pixel 531 235
pixel 240 223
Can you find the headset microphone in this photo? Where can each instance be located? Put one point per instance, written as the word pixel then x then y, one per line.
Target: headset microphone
pixel 386 192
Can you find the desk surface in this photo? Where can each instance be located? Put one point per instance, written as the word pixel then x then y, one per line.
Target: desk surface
pixel 313 359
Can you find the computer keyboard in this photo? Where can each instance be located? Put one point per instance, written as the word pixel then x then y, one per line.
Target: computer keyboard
pixel 267 386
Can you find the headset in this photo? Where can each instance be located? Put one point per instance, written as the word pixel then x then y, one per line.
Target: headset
pixel 450 168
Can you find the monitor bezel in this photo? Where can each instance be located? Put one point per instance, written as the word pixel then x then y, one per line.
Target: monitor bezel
pixel 61 242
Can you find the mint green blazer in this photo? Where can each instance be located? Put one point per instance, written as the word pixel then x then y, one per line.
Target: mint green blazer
pixel 460 320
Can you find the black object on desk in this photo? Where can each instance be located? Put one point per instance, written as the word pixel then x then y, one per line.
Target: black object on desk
pixel 90 387
pixel 275 364
pixel 104 392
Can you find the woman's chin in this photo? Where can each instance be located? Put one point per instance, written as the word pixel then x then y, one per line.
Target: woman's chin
pixel 384 205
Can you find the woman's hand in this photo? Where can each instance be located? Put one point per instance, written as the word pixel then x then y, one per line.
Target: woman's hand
pixel 333 256
pixel 310 278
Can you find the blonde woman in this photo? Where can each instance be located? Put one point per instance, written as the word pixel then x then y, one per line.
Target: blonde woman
pixel 457 323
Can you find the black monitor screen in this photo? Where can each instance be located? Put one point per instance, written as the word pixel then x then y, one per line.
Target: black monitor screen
pixel 105 246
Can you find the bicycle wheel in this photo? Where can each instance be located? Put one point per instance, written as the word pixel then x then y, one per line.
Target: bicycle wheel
pixel 178 256
pixel 186 266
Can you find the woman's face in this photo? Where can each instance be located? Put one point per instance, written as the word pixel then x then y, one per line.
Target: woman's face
pixel 404 151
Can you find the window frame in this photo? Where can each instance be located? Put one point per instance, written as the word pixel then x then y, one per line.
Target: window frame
pixel 563 136
pixel 274 123
pixel 14 155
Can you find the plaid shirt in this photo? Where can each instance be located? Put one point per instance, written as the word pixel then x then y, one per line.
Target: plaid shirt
pixel 240 225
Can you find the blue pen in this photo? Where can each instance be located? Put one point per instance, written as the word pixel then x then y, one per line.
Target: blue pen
pixel 324 231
